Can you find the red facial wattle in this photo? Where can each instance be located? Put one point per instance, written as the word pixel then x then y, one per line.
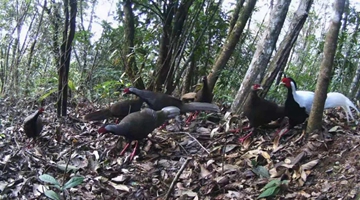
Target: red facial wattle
pixel 287 82
pixel 102 130
pixel 126 90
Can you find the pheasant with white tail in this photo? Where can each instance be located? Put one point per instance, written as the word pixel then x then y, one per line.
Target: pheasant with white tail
pixel 298 104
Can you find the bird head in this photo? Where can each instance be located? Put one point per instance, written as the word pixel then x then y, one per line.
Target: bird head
pixel 257 87
pixel 41 110
pixel 127 91
pixel 102 129
pixel 287 82
pixel 204 78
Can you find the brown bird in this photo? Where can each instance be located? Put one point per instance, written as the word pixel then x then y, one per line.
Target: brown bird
pixel 118 110
pixel 260 111
pixel 157 101
pixel 33 124
pixel 137 125
pixel 203 95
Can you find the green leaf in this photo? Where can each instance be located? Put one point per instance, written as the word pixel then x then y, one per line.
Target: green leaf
pixel 52 195
pixel 263 171
pixel 74 181
pixel 272 191
pixel 71 85
pixel 44 96
pixel 68 169
pixel 273 183
pixel 49 179
pixel 253 163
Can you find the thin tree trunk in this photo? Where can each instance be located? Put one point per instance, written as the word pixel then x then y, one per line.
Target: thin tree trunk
pixel 68 36
pixel 280 59
pixel 263 53
pixel 236 13
pixel 229 46
pixel 355 83
pixel 129 55
pixel 30 70
pixel 315 118
pixel 188 76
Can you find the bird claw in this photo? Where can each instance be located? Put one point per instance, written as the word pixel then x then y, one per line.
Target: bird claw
pixel 234 131
pixel 132 155
pixel 243 139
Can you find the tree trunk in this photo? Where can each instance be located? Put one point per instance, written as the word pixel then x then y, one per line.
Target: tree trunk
pixel 128 54
pixel 263 52
pixel 281 57
pixel 188 76
pixel 174 16
pixel 235 16
pixel 231 42
pixel 355 83
pixel 29 69
pixel 68 36
pixel 315 118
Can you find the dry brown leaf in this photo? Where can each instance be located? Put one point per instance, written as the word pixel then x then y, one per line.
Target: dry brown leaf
pixel 214 132
pixel 203 130
pixel 120 179
pixel 310 164
pixel 204 172
pixel 120 186
pixel 230 147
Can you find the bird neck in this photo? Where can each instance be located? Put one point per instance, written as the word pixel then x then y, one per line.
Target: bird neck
pixel 292 89
pixel 291 94
pixel 116 129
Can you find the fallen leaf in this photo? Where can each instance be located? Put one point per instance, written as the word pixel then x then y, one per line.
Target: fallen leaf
pixel 120 186
pixel 204 172
pixel 310 164
pixel 230 147
pixel 334 129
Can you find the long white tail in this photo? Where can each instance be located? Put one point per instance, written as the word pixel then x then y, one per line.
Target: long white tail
pixel 336 99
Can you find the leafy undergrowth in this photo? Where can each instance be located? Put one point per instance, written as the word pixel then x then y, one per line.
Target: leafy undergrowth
pixel 200 161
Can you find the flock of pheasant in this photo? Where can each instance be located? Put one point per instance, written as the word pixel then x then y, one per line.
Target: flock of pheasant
pixel 136 123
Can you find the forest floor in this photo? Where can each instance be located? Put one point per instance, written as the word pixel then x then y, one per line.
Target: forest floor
pixel 200 161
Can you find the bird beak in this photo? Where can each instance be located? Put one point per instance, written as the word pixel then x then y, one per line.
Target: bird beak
pixel 123 93
pixel 281 83
pixel 260 88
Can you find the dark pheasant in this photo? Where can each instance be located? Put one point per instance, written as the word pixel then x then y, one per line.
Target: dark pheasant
pixel 33 124
pixel 260 111
pixel 117 110
pixel 137 125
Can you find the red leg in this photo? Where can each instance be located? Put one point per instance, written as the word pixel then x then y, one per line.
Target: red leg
pixel 134 151
pixel 163 126
pixel 124 149
pixel 242 139
pixel 192 117
pixel 117 121
pixel 287 130
pixel 195 115
pixel 283 132
pixel 189 118
pixel 238 130
pixel 30 143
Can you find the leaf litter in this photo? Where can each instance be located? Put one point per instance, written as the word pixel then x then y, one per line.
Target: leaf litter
pixel 201 161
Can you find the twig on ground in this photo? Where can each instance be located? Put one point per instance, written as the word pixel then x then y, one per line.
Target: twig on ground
pixel 207 151
pixel 176 178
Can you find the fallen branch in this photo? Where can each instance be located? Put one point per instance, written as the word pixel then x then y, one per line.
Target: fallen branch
pixel 207 151
pixel 176 178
